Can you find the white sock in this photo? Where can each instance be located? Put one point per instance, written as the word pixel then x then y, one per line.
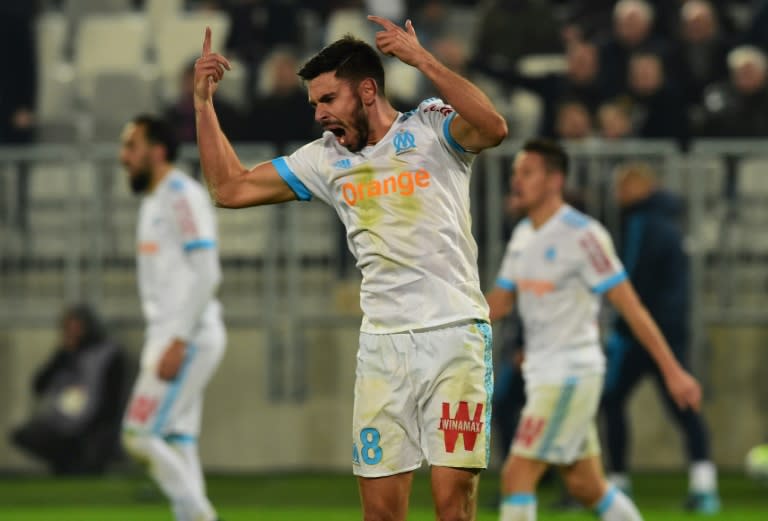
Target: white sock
pixel 620 480
pixel 518 507
pixel 702 477
pixel 169 471
pixel 616 506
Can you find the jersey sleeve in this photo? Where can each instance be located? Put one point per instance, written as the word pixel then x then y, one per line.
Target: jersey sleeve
pixel 601 268
pixel 507 277
pixel 438 115
pixel 192 212
pixel 301 171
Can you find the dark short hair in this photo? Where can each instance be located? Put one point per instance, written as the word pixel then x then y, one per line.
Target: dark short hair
pixel 351 58
pixel 159 132
pixel 554 155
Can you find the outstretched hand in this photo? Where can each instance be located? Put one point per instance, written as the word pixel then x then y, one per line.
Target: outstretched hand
pixel 398 42
pixel 685 390
pixel 209 70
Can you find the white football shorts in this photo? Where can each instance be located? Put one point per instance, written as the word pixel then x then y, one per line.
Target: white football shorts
pixel 423 395
pixel 558 421
pixel 166 408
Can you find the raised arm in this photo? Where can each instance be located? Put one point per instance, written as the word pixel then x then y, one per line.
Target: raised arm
pixel 682 386
pixel 478 124
pixel 230 183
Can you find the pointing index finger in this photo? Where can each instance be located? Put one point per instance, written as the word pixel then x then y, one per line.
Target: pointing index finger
pixel 207 42
pixel 386 24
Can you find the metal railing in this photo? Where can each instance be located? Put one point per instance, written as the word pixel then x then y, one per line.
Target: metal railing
pixel 68 235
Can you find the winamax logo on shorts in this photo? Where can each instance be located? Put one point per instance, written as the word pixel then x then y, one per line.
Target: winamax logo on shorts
pixel 460 423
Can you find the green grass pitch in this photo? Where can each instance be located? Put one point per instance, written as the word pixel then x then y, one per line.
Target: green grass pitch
pixel 321 497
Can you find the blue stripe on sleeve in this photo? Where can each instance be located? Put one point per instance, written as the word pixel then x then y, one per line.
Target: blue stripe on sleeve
pixel 506 284
pixel 200 244
pixel 610 283
pixel 447 133
pixel 301 191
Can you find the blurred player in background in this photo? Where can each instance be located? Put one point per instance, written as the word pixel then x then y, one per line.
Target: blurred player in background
pixel 400 184
pixel 178 272
pixel 656 263
pixel 560 261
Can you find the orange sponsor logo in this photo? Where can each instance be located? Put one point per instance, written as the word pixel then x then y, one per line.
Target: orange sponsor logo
pixel 404 183
pixel 148 248
pixel 537 287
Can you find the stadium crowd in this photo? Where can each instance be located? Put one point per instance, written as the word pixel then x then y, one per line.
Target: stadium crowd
pixel 612 69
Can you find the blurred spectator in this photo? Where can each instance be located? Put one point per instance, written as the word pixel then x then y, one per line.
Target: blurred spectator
pixel 511 29
pixel 283 108
pixel 18 87
pixel 651 249
pixel 574 121
pixel 739 107
pixel 579 82
pixel 614 120
pixel 703 49
pixel 79 393
pixel 258 26
pixel 757 32
pixel 657 107
pixel 632 24
pixel 181 114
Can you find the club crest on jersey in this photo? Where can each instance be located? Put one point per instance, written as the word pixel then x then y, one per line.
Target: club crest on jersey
pixel 550 254
pixel 404 141
pixel 343 164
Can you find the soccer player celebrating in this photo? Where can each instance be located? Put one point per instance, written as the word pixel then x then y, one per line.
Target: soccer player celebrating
pixel 178 272
pixel 558 263
pixel 400 184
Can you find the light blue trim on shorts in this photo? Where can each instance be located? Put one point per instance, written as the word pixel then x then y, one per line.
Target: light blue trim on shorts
pixel 181 439
pixel 556 421
pixel 519 500
pixel 487 333
pixel 606 502
pixel 173 390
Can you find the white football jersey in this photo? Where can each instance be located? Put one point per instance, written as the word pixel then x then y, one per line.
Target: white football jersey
pixel 405 204
pixel 559 273
pixel 175 219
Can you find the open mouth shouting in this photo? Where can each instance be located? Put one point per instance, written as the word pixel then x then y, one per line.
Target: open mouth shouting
pixel 340 133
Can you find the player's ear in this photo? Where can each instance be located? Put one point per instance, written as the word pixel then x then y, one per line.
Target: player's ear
pixel 368 90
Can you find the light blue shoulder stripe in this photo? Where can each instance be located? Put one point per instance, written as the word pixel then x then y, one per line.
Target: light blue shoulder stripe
pixel 575 219
pixel 447 133
pixel 506 284
pixel 301 191
pixel 200 244
pixel 610 283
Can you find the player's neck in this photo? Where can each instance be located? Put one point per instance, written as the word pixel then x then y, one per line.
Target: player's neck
pixel 380 121
pixel 545 211
pixel 158 175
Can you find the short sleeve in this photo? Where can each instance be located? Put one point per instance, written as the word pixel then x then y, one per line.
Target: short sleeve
pixel 601 268
pixel 301 171
pixel 508 273
pixel 192 212
pixel 438 115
